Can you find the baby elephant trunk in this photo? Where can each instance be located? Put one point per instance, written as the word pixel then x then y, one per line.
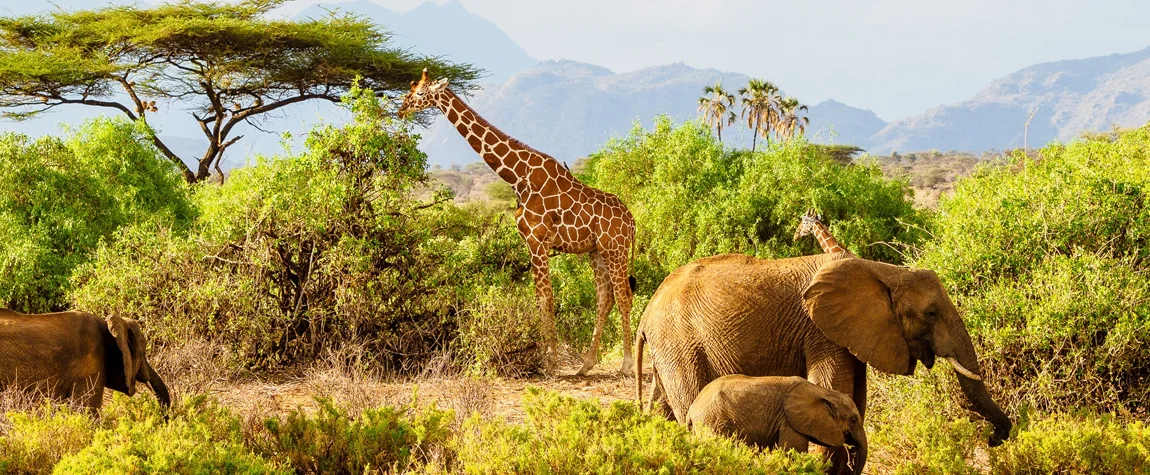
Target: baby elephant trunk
pixel 856 438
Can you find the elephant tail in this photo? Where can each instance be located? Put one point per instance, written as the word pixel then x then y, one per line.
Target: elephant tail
pixel 640 338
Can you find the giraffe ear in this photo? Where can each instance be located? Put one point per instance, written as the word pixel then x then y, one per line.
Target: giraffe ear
pixel 440 84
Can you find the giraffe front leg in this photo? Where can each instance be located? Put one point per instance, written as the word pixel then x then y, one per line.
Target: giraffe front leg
pixel 604 301
pixel 540 270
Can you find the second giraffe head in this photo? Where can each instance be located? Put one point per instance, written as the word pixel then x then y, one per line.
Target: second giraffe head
pixel 808 223
pixel 421 95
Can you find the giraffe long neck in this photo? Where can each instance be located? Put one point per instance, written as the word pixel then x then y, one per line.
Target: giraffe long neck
pixel 829 244
pixel 509 157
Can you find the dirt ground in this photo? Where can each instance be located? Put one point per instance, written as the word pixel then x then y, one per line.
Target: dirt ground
pixel 488 396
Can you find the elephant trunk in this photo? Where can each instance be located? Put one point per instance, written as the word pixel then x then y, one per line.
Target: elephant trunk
pixel 860 449
pixel 153 379
pixel 954 344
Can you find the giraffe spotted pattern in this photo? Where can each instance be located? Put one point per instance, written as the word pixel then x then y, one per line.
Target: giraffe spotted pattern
pixel 555 212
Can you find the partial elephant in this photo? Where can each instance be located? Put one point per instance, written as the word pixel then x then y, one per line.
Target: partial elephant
pixel 776 411
pixel 822 317
pixel 73 356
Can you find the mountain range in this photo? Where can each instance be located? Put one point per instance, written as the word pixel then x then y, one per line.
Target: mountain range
pixel 570 109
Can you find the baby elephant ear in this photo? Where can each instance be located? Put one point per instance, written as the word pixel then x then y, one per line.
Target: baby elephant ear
pixel 852 306
pixel 808 412
pixel 123 336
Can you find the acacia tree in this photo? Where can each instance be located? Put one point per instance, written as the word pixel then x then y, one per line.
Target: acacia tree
pixel 228 63
pixel 715 105
pixel 760 108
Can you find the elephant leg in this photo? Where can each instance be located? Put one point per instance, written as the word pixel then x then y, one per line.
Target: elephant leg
pixel 604 300
pixel 540 270
pixel 691 373
pixel 834 368
pixel 657 403
pixel 618 265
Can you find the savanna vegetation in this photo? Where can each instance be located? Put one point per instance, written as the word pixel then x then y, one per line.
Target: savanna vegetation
pixel 346 260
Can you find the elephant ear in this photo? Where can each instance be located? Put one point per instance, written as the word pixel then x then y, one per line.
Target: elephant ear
pixel 809 413
pixel 852 306
pixel 124 340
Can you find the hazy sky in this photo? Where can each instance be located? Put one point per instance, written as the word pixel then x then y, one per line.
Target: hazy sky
pixel 896 57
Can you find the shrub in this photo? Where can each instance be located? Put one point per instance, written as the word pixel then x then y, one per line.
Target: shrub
pixel 34 441
pixel 565 435
pixel 59 197
pixel 200 437
pixel 331 441
pixel 1048 261
pixel 692 197
pixel 1080 445
pixel 292 256
pixel 915 426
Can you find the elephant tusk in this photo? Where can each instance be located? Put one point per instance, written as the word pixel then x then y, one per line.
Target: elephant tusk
pixel 962 369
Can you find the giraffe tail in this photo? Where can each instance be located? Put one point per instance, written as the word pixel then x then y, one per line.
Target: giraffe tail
pixel 631 276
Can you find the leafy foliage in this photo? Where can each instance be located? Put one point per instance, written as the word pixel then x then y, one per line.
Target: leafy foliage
pixel 292 256
pixel 230 62
pixel 692 198
pixel 34 441
pixel 564 435
pixel 201 438
pixel 59 198
pixel 331 441
pixel 1048 261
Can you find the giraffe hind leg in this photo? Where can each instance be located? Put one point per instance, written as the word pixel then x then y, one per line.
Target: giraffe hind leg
pixel 604 300
pixel 623 285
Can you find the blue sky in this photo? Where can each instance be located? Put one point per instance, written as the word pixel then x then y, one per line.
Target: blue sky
pixel 896 57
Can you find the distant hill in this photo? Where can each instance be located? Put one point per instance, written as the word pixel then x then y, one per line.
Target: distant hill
pixel 1071 97
pixel 447 30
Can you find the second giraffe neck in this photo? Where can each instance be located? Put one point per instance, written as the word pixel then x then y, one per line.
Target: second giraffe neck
pixel 510 158
pixel 829 244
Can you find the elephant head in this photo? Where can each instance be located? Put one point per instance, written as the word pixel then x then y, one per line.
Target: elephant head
pixel 126 362
pixel 828 418
pixel 892 317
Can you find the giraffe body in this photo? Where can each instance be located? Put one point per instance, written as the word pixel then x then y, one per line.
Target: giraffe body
pixel 555 212
pixel 812 225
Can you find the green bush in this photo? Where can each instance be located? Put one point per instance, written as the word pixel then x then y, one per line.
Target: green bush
pixel 34 441
pixel 1048 260
pixel 692 197
pixel 59 198
pixel 201 437
pixel 387 439
pixel 292 256
pixel 1078 445
pixel 565 435
pixel 915 426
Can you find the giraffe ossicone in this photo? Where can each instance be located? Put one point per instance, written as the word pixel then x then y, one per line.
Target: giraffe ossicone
pixel 555 212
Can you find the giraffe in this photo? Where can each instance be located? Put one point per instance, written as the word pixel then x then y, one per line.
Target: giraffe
pixel 812 224
pixel 555 211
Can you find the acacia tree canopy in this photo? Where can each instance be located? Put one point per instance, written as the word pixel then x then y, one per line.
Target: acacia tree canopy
pixel 227 62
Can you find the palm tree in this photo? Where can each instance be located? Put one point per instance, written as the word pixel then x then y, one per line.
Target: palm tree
pixel 715 105
pixel 790 120
pixel 759 108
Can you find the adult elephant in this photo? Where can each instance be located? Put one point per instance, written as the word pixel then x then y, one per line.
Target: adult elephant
pixel 814 317
pixel 73 356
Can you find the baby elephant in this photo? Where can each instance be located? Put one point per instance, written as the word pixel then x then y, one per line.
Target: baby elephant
pixel 784 412
pixel 73 356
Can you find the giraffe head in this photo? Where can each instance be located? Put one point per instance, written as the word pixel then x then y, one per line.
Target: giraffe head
pixel 422 94
pixel 808 223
